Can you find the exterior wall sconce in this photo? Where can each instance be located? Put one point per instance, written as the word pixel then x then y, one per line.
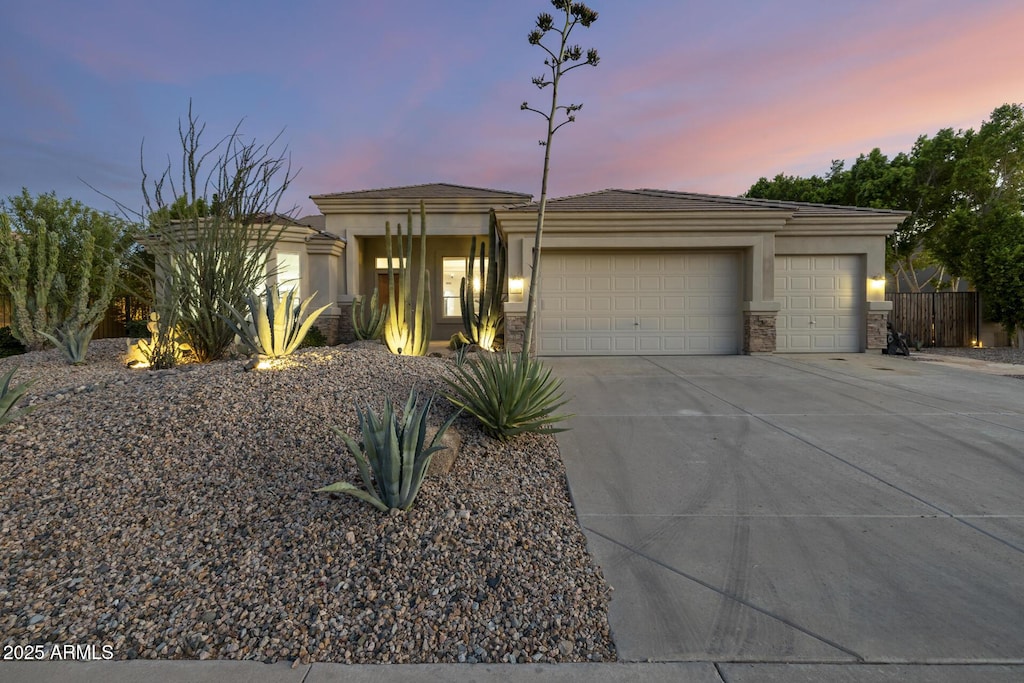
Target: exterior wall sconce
pixel 515 289
pixel 877 283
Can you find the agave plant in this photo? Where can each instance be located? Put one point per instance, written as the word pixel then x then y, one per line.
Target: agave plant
pixel 11 395
pixel 510 394
pixel 73 342
pixel 393 455
pixel 274 328
pixel 368 322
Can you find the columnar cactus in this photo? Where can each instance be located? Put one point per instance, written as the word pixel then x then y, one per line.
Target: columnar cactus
pixel 484 324
pixel 407 327
pixel 368 321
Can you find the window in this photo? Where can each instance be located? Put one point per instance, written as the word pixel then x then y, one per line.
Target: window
pixel 382 263
pixel 453 269
pixel 289 272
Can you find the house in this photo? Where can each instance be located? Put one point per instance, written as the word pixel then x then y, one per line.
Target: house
pixel 629 271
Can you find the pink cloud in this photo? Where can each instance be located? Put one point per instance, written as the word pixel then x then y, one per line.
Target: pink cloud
pixel 778 111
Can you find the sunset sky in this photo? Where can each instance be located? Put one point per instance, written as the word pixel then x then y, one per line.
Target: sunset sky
pixel 697 96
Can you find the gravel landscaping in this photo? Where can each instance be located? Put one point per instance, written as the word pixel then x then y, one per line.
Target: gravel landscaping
pixel 172 515
pixel 994 354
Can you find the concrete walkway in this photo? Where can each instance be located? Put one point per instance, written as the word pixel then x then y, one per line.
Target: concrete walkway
pixel 842 509
pixel 766 519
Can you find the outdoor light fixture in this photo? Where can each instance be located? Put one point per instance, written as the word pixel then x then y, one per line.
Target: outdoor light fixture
pixel 515 289
pixel 878 282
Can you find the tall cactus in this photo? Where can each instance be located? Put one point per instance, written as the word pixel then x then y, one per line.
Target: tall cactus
pixel 485 323
pixel 368 321
pixel 407 327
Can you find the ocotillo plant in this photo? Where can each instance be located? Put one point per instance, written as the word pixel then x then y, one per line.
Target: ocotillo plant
pixel 407 327
pixel 484 324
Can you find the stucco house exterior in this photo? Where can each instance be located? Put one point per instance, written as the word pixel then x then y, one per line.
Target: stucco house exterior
pixel 625 271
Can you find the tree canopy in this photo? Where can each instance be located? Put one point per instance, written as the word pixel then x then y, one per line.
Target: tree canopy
pixel 964 190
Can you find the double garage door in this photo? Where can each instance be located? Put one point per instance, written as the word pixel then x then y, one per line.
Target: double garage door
pixel 688 303
pixel 639 303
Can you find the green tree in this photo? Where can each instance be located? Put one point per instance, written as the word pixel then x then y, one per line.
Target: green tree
pixel 982 237
pixel 59 263
pixel 931 197
pixel 561 59
pixel 791 188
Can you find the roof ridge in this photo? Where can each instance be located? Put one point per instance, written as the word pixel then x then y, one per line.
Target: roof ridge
pixel 783 203
pixel 574 196
pixel 420 185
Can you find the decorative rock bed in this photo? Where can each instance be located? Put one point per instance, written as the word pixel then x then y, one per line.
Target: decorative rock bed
pixel 172 515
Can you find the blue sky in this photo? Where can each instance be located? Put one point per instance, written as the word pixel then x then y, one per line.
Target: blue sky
pixel 696 96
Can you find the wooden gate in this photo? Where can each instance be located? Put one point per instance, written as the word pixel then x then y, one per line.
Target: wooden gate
pixel 943 319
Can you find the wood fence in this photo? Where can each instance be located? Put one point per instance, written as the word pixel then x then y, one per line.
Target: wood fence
pixel 122 309
pixel 943 319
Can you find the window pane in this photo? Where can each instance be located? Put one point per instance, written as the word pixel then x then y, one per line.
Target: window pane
pixel 381 263
pixel 289 271
pixel 453 270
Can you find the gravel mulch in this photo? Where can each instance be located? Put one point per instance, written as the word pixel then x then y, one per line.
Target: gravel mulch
pixel 172 515
pixel 995 354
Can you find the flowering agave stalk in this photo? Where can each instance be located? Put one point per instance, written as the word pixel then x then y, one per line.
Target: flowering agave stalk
pixel 393 455
pixel 277 327
pixel 562 57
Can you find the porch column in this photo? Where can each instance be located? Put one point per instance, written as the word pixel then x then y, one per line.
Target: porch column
pixel 759 319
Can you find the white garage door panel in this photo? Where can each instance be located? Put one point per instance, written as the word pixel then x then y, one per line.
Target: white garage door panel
pixel 820 299
pixel 639 304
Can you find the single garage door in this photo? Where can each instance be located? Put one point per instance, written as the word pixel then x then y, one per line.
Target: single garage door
pixel 639 303
pixel 821 303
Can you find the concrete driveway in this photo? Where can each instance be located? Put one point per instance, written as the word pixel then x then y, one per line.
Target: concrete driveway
pixel 828 509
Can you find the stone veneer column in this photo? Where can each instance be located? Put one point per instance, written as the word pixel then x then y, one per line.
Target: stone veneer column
pixel 515 325
pixel 327 323
pixel 346 334
pixel 877 315
pixel 759 319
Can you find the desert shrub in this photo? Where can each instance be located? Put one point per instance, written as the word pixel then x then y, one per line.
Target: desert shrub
pixel 314 338
pixel 508 393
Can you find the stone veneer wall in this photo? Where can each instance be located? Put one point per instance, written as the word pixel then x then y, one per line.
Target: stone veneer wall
pixel 876 330
pixel 328 325
pixel 758 333
pixel 515 327
pixel 346 333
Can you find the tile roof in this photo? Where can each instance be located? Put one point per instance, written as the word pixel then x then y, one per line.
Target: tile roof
pixel 428 191
pixel 668 200
pixel 317 221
